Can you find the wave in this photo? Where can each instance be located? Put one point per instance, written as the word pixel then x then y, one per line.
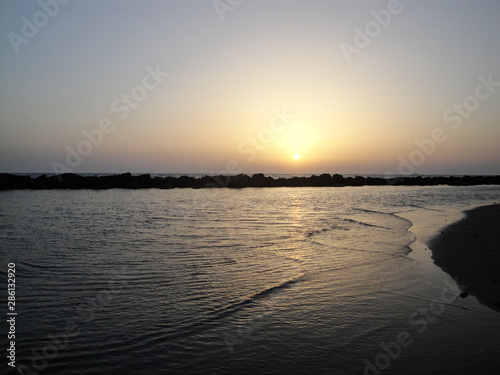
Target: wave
pixel 169 332
pixel 371 211
pixel 38 265
pixel 423 208
pixel 366 224
pixel 386 213
pixel 318 231
pixel 217 315
pixel 236 306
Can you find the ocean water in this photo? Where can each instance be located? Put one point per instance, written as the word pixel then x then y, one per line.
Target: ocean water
pixel 250 281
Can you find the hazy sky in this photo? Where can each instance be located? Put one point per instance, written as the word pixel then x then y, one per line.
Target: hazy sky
pixel 242 86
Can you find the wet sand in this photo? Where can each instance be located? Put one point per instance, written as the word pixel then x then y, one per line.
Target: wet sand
pixel 469 250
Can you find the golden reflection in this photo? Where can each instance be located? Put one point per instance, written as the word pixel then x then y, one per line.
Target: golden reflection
pixel 293 205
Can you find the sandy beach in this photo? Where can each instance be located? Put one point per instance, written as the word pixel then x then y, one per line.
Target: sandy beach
pixel 469 251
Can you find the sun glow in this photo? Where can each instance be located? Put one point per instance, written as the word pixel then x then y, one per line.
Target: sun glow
pixel 296 156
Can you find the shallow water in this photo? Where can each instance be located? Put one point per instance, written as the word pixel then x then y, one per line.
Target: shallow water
pixel 251 281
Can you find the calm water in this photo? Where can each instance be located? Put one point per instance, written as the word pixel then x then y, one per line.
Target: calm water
pixel 252 281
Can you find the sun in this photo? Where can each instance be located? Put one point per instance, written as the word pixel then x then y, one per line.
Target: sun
pixel 296 156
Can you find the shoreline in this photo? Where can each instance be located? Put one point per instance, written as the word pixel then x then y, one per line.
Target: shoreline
pixel 145 181
pixel 469 251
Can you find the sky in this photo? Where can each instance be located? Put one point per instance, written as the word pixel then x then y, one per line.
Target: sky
pixel 249 86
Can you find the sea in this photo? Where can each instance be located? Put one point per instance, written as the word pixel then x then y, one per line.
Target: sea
pixel 303 280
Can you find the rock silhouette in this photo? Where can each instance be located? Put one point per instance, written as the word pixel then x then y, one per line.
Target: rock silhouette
pixel 145 181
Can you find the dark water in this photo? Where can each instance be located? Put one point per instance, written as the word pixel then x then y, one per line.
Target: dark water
pixel 252 281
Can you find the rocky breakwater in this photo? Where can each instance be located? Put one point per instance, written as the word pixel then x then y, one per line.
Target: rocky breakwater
pixel 145 181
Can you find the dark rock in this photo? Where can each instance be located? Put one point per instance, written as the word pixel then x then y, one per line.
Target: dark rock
pixel 338 180
pixel 127 181
pixel 323 180
pixel 239 181
pixel 10 181
pixel 259 180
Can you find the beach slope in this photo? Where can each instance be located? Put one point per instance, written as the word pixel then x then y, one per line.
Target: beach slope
pixel 469 251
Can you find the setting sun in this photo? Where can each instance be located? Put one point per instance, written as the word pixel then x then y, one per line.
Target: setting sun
pixel 296 156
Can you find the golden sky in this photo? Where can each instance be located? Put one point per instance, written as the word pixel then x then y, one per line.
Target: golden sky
pixel 193 87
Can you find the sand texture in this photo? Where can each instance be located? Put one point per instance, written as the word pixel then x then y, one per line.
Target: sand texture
pixel 469 250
